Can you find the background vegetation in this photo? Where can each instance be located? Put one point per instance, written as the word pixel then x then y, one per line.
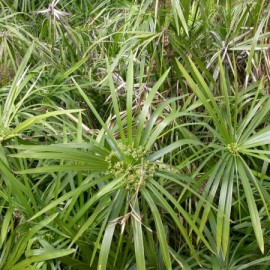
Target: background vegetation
pixel 134 134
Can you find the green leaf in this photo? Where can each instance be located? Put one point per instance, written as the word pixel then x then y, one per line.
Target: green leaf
pixel 23 241
pixel 160 229
pixel 29 122
pixel 6 225
pixel 254 214
pixel 14 91
pixel 46 255
pixel 168 149
pixel 109 231
pixel 138 236
pixel 224 208
pixel 129 89
pixel 78 190
pixel 146 106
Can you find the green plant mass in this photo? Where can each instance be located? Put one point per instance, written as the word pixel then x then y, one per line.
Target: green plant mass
pixel 134 134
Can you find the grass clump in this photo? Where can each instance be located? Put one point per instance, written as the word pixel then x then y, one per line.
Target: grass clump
pixel 134 134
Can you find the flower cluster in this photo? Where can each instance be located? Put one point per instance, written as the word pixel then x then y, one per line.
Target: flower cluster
pixel 233 148
pixel 133 166
pixel 131 152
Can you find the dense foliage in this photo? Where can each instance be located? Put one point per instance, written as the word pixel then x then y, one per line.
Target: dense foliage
pixel 134 134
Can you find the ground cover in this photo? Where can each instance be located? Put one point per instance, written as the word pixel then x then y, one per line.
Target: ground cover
pixel 134 134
